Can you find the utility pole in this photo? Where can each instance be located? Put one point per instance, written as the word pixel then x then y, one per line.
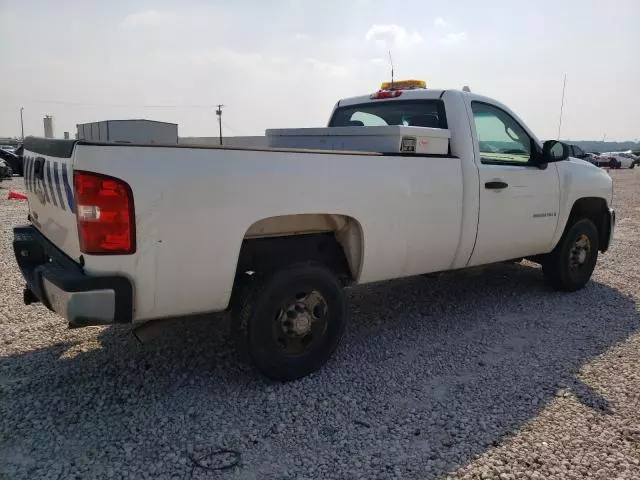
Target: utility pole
pixel 22 122
pixel 219 114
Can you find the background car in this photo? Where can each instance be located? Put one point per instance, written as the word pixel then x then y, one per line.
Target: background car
pixel 5 170
pixel 592 158
pixel 598 159
pixel 605 160
pixel 632 156
pixel 626 159
pixel 576 152
pixel 8 148
pixel 12 160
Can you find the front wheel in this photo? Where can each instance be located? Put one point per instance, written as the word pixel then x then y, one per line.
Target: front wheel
pixel 570 265
pixel 290 322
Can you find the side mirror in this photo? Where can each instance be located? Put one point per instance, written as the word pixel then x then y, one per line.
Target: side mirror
pixel 554 151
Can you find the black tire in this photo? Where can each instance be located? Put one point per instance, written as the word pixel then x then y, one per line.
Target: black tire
pixel 265 312
pixel 566 270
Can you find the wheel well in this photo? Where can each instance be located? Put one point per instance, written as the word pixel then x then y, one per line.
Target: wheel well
pixel 274 242
pixel 596 210
pixel 262 255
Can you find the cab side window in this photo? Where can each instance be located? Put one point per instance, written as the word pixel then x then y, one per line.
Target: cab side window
pixel 501 139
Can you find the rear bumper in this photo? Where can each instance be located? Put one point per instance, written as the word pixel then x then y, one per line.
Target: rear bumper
pixel 62 286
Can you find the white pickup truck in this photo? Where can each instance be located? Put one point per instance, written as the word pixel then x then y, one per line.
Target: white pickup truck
pixel 130 233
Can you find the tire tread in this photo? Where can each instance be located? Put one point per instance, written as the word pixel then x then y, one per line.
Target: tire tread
pixel 251 292
pixel 554 265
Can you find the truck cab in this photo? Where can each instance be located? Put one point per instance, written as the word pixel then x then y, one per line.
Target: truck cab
pixel 522 202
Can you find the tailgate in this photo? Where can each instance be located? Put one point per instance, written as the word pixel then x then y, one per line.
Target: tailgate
pixel 48 178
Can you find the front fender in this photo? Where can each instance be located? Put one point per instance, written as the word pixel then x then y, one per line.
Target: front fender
pixel 580 180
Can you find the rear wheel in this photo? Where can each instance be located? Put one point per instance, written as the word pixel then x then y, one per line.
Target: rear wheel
pixel 291 321
pixel 570 265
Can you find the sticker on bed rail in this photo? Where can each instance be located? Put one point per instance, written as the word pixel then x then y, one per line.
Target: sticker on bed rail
pixel 408 145
pixel 51 184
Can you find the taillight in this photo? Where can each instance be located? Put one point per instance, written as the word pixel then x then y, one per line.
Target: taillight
pixel 105 214
pixel 386 94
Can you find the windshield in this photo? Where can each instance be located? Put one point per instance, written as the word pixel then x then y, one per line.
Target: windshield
pixel 416 113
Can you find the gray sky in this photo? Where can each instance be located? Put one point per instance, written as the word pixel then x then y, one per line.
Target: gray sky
pixel 285 63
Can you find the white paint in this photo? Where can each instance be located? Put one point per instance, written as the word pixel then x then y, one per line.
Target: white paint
pixel 399 203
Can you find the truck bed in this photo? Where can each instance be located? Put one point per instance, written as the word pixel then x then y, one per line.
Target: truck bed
pixel 194 205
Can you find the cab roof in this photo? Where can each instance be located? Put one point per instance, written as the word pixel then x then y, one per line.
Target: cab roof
pixel 414 94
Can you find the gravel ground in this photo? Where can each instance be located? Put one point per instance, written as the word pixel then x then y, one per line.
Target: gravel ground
pixel 459 376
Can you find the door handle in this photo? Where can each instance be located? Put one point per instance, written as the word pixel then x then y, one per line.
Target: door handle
pixel 495 185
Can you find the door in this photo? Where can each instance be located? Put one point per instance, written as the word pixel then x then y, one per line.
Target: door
pixel 519 201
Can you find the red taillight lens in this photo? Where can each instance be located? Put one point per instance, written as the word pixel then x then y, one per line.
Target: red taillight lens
pixel 386 94
pixel 105 215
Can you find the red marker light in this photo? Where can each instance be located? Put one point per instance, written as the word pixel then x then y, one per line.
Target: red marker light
pixel 386 94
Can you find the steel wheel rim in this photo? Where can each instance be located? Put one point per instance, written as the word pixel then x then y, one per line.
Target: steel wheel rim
pixel 301 322
pixel 580 252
